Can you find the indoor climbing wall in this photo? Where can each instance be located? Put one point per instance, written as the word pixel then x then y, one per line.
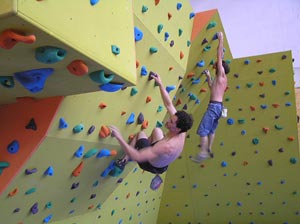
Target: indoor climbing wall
pixel 74 51
pixel 70 176
pixel 253 177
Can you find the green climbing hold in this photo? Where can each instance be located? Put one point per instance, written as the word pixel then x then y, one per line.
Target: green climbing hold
pixel 153 50
pixel 293 160
pixel 144 8
pixel 160 27
pixel 90 153
pixel 31 190
pixel 278 127
pixel 272 70
pixel 180 31
pixel 207 48
pixel 212 62
pixel 249 85
pixel 255 141
pixel 133 91
pixel 211 25
pixel 241 121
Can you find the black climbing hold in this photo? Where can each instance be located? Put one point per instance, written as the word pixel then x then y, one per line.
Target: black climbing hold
pixel 31 125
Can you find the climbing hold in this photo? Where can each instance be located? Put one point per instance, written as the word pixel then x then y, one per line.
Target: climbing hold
pixel 62 123
pixel 102 105
pixel 140 118
pixel 106 153
pixel 252 108
pixel 145 124
pixel 7 81
pixel 91 129
pixel 181 55
pixel 104 131
pixel 115 49
pixel 74 186
pixel 49 54
pixel 249 85
pixel 178 6
pixel 255 141
pixel 100 77
pixel 30 191
pixel 30 171
pixel 223 164
pixel 157 2
pixel 247 62
pixel 188 43
pixel 144 71
pixel 158 124
pixel 78 128
pixel 76 172
pixel 13 147
pixel 288 104
pixel 270 162
pixel 94 2
pixel 263 106
pixel 133 91
pixel 34 80
pixel 144 8
pixel 170 88
pixel 200 63
pixel 9 38
pixel 111 87
pixel 278 127
pixel 79 152
pixel 31 125
pixel 49 217
pixel 13 192
pixel 130 120
pixel 78 67
pixel 241 121
pixel 206 48
pixel 192 15
pixel 34 209
pixel 196 81
pixel 293 160
pixel 204 41
pixel 159 108
pixel 291 138
pixel 274 82
pixel 266 130
pixel 272 70
pixel 167 35
pixel 230 121
pixel 108 169
pixel 138 34
pixel 153 50
pixel 160 27
pixel 169 15
pixel 180 31
pixel 148 99
pixel 211 25
pixel 49 171
pixel 192 96
pixel 16 210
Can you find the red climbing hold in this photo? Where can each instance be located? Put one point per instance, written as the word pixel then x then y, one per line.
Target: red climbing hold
pixel 275 105
pixel 266 130
pixel 178 102
pixel 157 2
pixel 148 99
pixel 102 105
pixel 145 124
pixel 78 67
pixel 9 38
pixel 203 90
pixel 190 75
pixel 181 55
pixel 252 108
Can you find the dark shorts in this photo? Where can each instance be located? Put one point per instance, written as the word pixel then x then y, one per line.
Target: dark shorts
pixel 210 120
pixel 142 143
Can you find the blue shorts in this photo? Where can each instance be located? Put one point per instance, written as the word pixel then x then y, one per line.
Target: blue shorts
pixel 210 120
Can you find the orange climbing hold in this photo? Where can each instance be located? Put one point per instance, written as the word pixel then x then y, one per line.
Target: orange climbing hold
pixel 9 38
pixel 181 55
pixel 245 163
pixel 258 60
pixel 145 124
pixel 78 67
pixel 275 105
pixel 137 64
pixel 102 105
pixel 261 83
pixel 128 195
pixel 91 206
pixel 169 15
pixel 190 75
pixel 104 131
pixel 131 137
pixel 13 192
pixel 157 2
pixel 123 113
pixel 291 138
pixel 253 108
pixel 203 90
pixel 179 101
pixel 148 99
pixel 76 172
pixel 113 152
pixel 170 68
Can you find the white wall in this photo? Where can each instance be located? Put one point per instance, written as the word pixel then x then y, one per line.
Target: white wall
pixel 259 26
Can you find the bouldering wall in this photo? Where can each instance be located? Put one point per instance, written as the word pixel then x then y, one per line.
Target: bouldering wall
pixel 253 175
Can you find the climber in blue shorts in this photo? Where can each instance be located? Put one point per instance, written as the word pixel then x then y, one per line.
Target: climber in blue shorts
pixel 209 122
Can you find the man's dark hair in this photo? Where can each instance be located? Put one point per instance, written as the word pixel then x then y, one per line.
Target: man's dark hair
pixel 226 67
pixel 184 121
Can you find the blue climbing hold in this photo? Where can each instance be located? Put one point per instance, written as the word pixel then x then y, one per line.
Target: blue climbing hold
pixel 7 81
pixel 179 5
pixel 34 80
pixel 48 218
pixel 192 15
pixel 111 87
pixel 79 152
pixel 62 123
pixel 49 171
pixel 13 147
pixel 167 35
pixel 103 153
pixel 196 81
pixel 138 34
pixel 144 71
pixel 223 164
pixel 101 77
pixel 49 54
pixel 108 169
pixel 94 2
pixel 200 63
pixel 130 120
pixel 230 121
pixel 170 88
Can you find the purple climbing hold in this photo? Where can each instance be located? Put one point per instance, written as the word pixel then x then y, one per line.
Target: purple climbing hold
pixel 34 209
pixel 156 182
pixel 30 171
